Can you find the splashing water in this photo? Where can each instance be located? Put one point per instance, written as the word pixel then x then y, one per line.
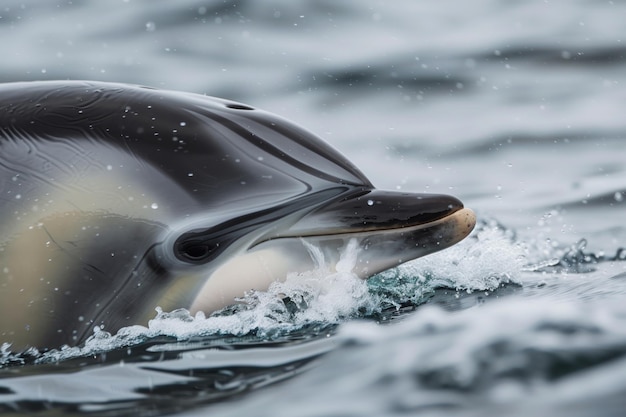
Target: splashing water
pixel 486 260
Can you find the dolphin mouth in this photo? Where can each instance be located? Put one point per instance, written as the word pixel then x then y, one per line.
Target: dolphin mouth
pixel 390 228
pixel 387 248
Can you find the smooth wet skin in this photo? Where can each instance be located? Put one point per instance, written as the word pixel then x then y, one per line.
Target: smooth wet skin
pixel 115 199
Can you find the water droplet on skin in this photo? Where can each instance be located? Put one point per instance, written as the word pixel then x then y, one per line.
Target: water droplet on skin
pixel 370 202
pixel 154 206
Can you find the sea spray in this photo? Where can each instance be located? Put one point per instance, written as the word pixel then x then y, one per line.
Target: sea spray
pixel 486 260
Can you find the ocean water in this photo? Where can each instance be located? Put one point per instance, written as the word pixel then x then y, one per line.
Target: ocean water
pixel 517 108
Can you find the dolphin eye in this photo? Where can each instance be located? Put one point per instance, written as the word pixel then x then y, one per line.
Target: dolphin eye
pixel 194 251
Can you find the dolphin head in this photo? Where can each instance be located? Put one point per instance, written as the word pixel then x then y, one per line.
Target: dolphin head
pixel 132 198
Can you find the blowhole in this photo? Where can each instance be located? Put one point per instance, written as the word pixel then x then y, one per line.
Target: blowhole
pixel 239 106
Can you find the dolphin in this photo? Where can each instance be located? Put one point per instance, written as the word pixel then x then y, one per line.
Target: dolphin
pixel 115 199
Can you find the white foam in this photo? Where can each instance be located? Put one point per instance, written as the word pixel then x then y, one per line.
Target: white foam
pixel 483 262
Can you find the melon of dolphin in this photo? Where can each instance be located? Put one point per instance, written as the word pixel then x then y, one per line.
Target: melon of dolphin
pixel 115 199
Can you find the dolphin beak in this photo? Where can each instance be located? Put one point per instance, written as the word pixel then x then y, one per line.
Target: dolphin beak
pixel 390 227
pixel 376 210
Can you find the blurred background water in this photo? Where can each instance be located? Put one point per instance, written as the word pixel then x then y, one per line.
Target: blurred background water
pixel 517 108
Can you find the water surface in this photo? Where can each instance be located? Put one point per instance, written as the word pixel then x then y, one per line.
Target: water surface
pixel 514 107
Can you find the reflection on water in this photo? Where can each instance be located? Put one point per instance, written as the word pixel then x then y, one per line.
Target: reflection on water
pixel 159 375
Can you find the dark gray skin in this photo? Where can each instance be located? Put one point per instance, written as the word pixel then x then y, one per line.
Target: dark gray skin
pixel 115 199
